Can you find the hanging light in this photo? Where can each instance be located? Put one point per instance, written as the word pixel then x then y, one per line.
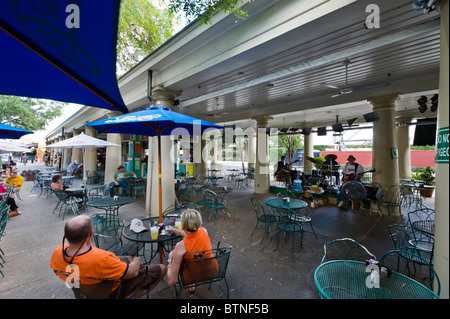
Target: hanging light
pixel 337 138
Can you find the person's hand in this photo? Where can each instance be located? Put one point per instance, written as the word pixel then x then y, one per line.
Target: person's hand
pixel 117 183
pixel 170 229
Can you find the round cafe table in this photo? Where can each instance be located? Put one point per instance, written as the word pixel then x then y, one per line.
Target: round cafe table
pixel 111 208
pixel 293 204
pixel 162 242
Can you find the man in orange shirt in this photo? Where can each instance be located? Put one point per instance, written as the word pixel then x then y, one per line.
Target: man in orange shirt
pixel 93 262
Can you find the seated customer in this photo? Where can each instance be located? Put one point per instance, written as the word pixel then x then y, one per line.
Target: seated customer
pixel 14 181
pixel 119 180
pixel 93 262
pixel 58 185
pixel 13 208
pixel 73 168
pixel 196 238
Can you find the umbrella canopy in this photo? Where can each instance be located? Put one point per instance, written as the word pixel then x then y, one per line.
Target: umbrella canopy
pixel 81 141
pixel 154 121
pixel 61 50
pixel 7 131
pixel 10 147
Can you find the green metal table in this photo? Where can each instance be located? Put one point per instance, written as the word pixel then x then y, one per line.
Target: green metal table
pixel 111 208
pixel 162 242
pixel 349 279
pixel 293 204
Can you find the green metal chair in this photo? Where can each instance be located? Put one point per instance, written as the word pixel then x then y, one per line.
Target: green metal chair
pixel 215 203
pixel 392 199
pixel 66 201
pixel 346 249
pixel 200 262
pixel 401 260
pixel 422 219
pixel 262 216
pixel 287 224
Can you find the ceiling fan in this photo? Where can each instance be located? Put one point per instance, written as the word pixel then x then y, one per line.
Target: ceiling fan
pixel 347 89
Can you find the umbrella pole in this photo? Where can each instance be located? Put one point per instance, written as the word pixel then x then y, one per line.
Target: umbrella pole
pixel 161 253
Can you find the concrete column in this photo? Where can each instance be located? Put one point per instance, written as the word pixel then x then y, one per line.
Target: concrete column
pixel 251 151
pixel 308 150
pixel 404 150
pixel 262 171
pixel 77 153
pixel 66 154
pixel 164 98
pixel 200 156
pixel 113 156
pixel 90 155
pixel 441 251
pixel 384 141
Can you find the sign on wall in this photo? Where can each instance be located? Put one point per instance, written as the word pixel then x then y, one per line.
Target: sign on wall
pixel 442 137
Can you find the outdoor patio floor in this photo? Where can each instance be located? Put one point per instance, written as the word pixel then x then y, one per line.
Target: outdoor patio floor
pixel 255 270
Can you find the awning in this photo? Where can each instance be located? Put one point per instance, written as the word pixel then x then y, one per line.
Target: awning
pixel 61 50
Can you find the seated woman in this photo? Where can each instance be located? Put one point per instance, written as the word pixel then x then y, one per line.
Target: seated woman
pixel 196 238
pixel 13 208
pixel 58 185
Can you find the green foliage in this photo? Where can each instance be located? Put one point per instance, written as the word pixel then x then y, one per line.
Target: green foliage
pixel 143 27
pixel 204 10
pixel 320 160
pixel 28 113
pixel 426 175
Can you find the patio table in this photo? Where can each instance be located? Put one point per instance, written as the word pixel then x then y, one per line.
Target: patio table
pixel 349 279
pixel 145 237
pixel 213 180
pixel 293 204
pixel 111 208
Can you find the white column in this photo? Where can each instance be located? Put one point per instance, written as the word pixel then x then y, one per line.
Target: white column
pixel 441 251
pixel 113 156
pixel 404 150
pixel 308 150
pixel 90 155
pixel 262 171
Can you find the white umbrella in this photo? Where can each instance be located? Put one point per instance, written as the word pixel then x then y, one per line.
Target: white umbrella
pixel 82 141
pixel 10 147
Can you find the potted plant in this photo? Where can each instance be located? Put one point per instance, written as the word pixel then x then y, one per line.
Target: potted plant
pixel 428 178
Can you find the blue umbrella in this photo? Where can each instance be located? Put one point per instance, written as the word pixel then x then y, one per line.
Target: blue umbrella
pixel 153 121
pixel 61 50
pixel 12 132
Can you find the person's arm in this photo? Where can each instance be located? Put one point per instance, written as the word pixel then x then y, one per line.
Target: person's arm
pixel 133 268
pixel 174 263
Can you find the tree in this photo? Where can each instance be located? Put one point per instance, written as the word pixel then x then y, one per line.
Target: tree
pixel 205 9
pixel 291 143
pixel 28 113
pixel 143 27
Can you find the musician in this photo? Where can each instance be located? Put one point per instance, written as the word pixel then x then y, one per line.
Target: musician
pixel 282 171
pixel 352 170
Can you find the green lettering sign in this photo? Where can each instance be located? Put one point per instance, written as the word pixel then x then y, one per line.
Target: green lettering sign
pixel 441 156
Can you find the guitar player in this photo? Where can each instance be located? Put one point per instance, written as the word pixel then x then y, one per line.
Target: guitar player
pixel 283 171
pixel 352 170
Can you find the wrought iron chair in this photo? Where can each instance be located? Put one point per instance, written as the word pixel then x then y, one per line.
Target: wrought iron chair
pixel 205 267
pixel 422 219
pixel 410 239
pixel 392 199
pixel 345 249
pixel 409 197
pixel 287 224
pixel 401 260
pixel 262 216
pixel 66 201
pixel 4 213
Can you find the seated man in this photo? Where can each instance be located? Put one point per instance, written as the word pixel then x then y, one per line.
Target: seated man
pixel 119 180
pixel 93 262
pixel 73 168
pixel 14 181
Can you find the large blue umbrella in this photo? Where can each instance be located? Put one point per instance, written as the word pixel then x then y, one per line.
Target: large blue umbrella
pixel 12 132
pixel 61 50
pixel 153 121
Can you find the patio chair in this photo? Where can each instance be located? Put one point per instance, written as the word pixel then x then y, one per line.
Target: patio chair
pixel 401 260
pixel 262 216
pixel 287 224
pixel 215 203
pixel 345 249
pixel 66 201
pixel 355 193
pixel 409 239
pixel 201 270
pixel 392 200
pixel 110 238
pixel 409 197
pixel 422 219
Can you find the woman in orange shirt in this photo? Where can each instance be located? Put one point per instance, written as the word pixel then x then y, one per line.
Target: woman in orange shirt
pixel 196 238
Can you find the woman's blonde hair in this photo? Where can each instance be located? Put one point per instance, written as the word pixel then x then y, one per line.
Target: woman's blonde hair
pixel 191 220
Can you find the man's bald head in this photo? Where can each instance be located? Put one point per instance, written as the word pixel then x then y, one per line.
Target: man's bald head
pixel 77 229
